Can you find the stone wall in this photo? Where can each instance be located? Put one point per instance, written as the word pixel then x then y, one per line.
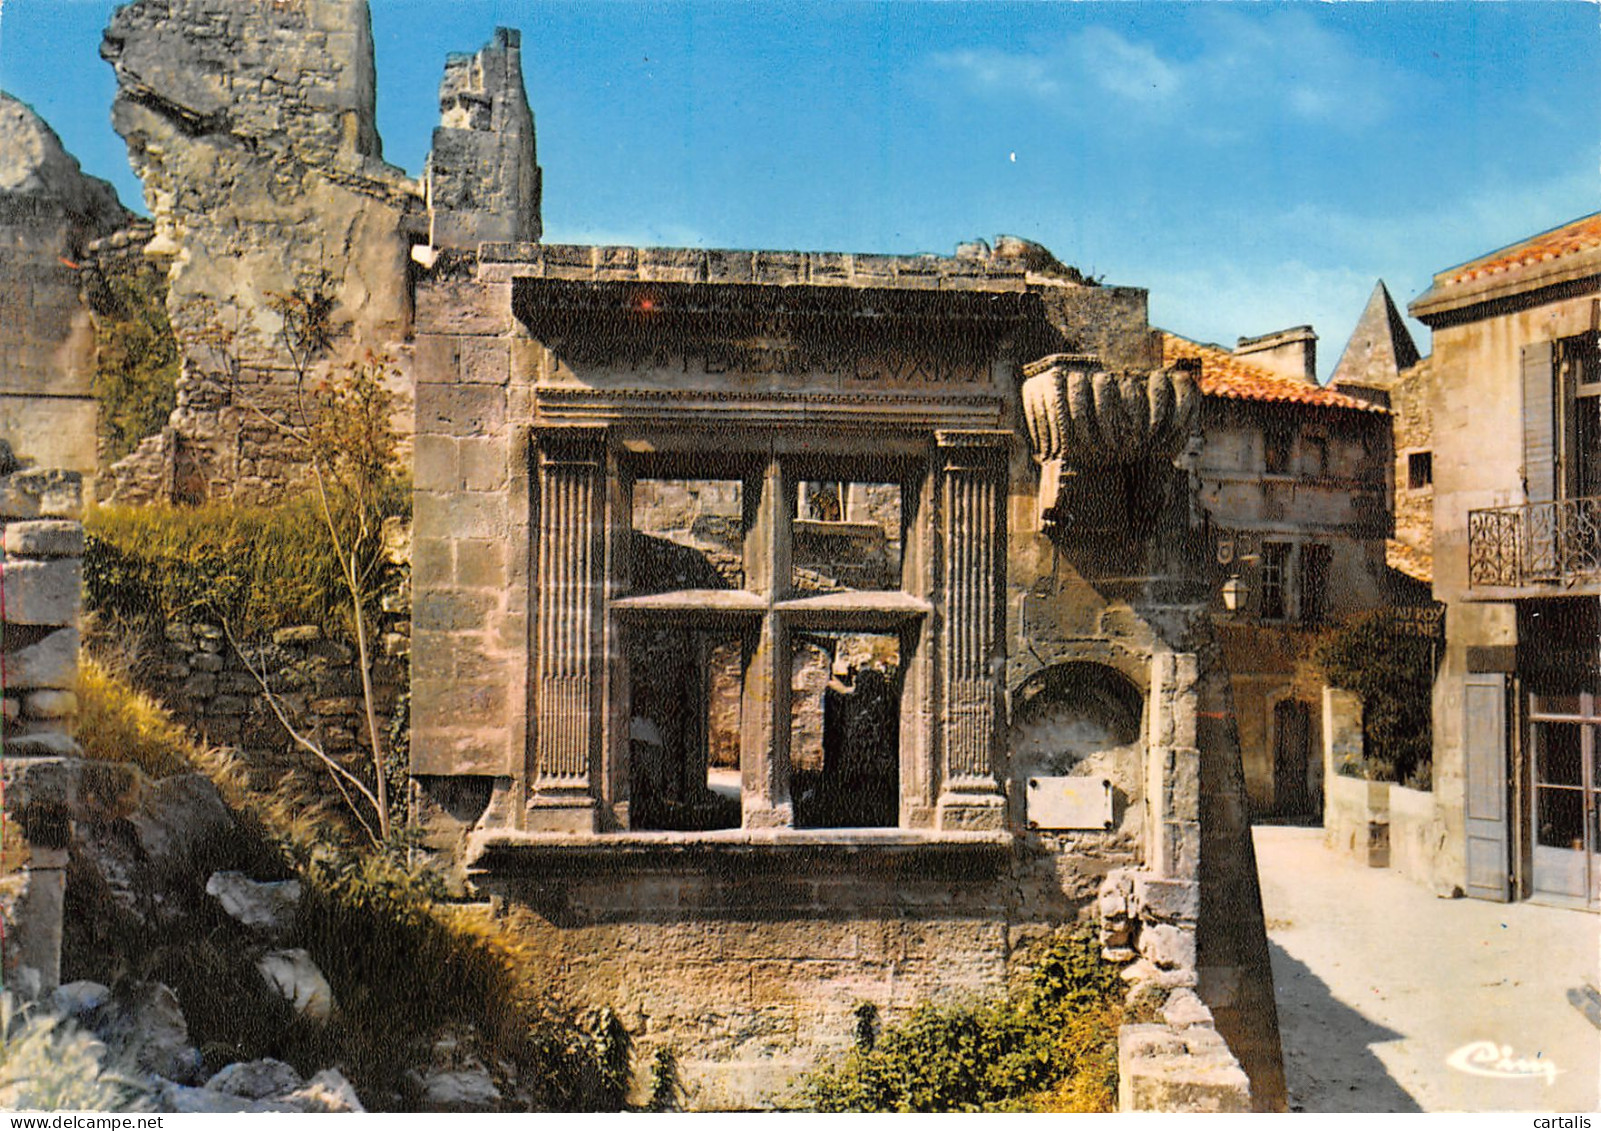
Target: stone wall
pixel 216 690
pixel 49 214
pixel 548 446
pixel 1412 417
pixel 41 579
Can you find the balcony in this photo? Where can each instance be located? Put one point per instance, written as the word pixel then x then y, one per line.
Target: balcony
pixel 1537 550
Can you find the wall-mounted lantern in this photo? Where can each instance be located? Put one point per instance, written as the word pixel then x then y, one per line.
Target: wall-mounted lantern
pixel 1234 593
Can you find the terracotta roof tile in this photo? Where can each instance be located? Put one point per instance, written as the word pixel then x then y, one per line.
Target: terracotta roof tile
pixel 1580 235
pixel 1224 375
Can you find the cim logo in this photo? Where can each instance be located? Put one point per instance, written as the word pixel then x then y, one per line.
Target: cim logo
pixel 1486 1058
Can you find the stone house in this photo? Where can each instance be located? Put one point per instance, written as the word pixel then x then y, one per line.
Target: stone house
pixel 1513 388
pixel 1293 486
pixel 797 630
pixel 1381 363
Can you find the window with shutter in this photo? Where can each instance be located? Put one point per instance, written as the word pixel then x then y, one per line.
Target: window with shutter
pixel 1539 422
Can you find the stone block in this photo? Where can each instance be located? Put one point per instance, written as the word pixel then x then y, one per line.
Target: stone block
pixel 460 515
pixel 460 410
pixel 46 538
pixel 1184 1009
pixel 1169 947
pixel 51 661
pixel 436 463
pixel 1171 900
pixel 463 306
pixel 207 662
pixel 1166 1071
pixel 43 592
pixel 485 361
pixel 481 564
pixel 298 634
pixel 432 563
pixel 49 704
pixel 483 465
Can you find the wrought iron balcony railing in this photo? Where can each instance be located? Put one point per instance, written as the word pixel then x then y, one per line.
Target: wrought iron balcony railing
pixel 1553 545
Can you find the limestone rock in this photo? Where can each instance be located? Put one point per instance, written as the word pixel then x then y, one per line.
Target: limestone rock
pixel 460 1091
pixel 44 538
pixel 144 1023
pixel 49 214
pixel 266 908
pixel 33 164
pixel 79 1000
pixel 182 1100
pixel 327 1091
pixel 294 975
pixel 256 1079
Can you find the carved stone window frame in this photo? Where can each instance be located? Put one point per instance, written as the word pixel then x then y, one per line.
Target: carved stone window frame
pixel 947 612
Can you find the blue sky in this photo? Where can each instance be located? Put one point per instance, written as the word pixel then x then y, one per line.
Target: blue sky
pixel 1254 165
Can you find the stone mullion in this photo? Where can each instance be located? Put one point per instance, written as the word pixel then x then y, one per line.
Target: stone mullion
pixel 972 484
pixel 571 586
pixel 765 709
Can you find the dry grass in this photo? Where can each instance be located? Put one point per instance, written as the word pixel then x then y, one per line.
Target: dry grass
pixel 119 723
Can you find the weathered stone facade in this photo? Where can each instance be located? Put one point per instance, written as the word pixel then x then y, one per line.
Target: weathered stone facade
pixel 1293 480
pixel 41 581
pixel 49 215
pixel 558 386
pixel 252 127
pixel 1513 396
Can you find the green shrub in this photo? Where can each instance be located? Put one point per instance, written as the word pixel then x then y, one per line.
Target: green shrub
pixel 1051 1046
pixel 254 568
pixel 136 369
pixel 1392 670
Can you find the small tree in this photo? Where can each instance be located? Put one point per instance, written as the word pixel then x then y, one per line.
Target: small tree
pixel 341 425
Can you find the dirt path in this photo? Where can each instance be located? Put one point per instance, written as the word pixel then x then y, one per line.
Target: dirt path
pixel 1381 985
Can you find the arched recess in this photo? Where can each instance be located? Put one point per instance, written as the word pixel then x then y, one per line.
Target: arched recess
pixel 1081 718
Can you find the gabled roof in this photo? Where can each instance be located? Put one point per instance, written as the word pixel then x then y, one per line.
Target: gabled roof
pixel 1224 375
pixel 1380 346
pixel 1563 255
pixel 1579 235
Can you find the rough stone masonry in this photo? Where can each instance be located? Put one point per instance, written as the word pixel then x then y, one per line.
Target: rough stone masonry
pixel 41 583
pixel 252 127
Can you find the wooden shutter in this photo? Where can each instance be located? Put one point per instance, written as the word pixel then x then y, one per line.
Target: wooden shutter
pixel 1484 748
pixel 1539 422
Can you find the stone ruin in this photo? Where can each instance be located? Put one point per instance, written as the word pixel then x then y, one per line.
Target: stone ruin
pixel 798 630
pixel 41 582
pixel 790 630
pixel 50 217
pixel 252 127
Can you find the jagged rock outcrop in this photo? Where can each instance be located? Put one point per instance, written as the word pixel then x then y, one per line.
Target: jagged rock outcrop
pixel 49 212
pixel 253 129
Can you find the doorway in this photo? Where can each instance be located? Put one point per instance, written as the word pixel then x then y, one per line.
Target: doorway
pixel 1292 744
pixel 1565 798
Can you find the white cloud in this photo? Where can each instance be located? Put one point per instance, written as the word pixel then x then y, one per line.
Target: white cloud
pixel 1243 69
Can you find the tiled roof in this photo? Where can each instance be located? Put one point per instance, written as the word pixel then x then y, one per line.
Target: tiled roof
pixel 1580 235
pixel 1415 563
pixel 1224 375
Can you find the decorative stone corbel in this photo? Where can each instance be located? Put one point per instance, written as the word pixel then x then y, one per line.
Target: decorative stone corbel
pixel 1082 417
